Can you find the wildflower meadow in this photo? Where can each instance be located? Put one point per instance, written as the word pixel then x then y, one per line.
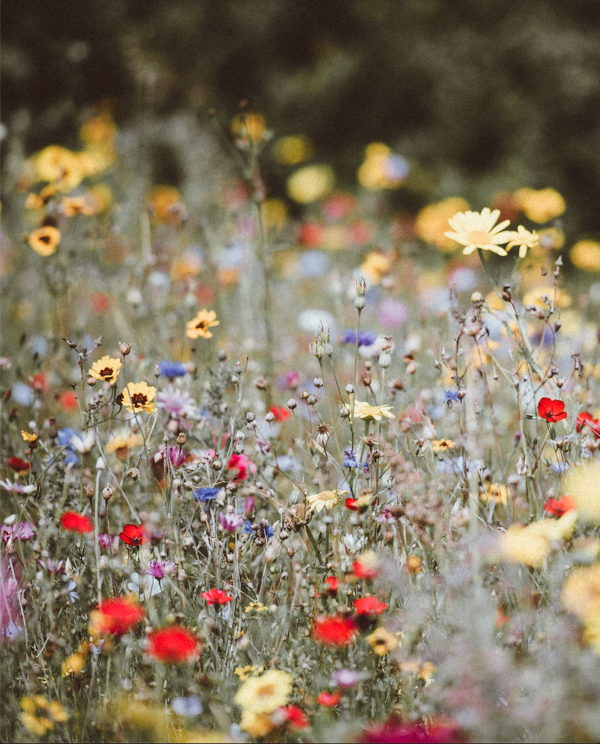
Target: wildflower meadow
pixel 282 461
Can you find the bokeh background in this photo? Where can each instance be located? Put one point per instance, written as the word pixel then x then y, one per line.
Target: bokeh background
pixel 480 96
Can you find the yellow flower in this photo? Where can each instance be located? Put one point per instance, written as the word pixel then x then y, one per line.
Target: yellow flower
pixel 540 206
pixel 476 230
pixel 310 183
pixel 106 369
pixel 163 202
pixel 371 413
pixel 98 129
pixel 39 201
pixel 44 240
pixel 292 150
pixel 40 714
pixel 442 445
pixel 27 437
pixel 71 206
pixel 256 607
pixel 274 213
pixel 534 297
pixel 532 544
pixel 586 255
pixel 256 724
pixel 377 170
pixel 199 325
pixel 376 266
pixel 139 396
pixel 581 592
pixel 264 694
pixel 496 493
pixel 582 483
pixel 325 500
pixel 248 129
pixel 524 239
pixel 248 671
pixel 60 166
pixel 432 222
pixel 122 443
pixel 424 670
pixel 73 664
pixel 382 641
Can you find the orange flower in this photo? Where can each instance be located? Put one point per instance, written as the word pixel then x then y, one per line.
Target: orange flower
pixel 200 325
pixel 44 240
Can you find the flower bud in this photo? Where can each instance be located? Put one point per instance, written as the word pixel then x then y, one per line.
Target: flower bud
pixel 181 439
pixel 291 404
pixel 91 382
pixel 107 493
pixel 385 359
pixel 318 382
pixel 125 348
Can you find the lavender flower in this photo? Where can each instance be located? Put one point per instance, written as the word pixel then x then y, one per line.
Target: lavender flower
pixel 346 678
pixel 105 540
pixel 53 567
pixel 350 460
pixel 230 522
pixel 365 338
pixel 16 487
pixel 189 706
pixel 22 531
pixel 9 600
pixel 450 397
pixel 158 569
pixel 175 401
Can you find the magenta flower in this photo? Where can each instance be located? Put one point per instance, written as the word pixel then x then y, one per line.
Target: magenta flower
pixel 158 569
pixel 105 540
pixel 21 531
pixel 230 522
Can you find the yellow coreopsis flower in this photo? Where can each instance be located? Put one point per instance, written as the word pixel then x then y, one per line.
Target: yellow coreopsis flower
pixel 476 230
pixel 122 443
pixel 442 445
pixel 44 240
pixel 138 396
pixel 59 165
pixel 39 714
pixel 262 695
pixel 325 500
pixel 199 326
pixel 27 437
pixel 582 483
pixel 540 206
pixel 432 222
pixel 368 412
pixel 496 493
pixel 382 641
pixel 106 369
pixel 524 239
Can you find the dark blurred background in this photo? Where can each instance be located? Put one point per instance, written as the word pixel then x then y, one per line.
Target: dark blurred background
pixel 494 91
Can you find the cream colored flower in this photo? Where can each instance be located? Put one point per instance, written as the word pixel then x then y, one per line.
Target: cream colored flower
pixel 582 483
pixel 371 413
pixel 325 500
pixel 524 239
pixel 476 230
pixel 262 695
pixel 382 641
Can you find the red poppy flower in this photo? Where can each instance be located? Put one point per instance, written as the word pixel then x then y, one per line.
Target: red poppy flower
pixel 134 535
pixel 332 584
pixel 585 419
pixel 117 616
pixel 369 606
pixel 68 400
pixel 328 699
pixel 311 234
pixel 334 630
pixel 18 465
pixel 351 504
pixel 39 382
pixel 216 596
pixel 295 716
pixel 73 522
pixel 366 567
pixel 173 645
pixel 280 412
pixel 241 463
pixel 552 410
pixel 560 507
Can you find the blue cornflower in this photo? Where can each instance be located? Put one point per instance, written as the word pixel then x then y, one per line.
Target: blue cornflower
pixel 350 460
pixel 205 494
pixel 64 437
pixel 268 530
pixel 365 338
pixel 172 369
pixel 451 396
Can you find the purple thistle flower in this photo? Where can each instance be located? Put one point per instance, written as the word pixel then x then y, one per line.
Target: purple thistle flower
pixel 230 522
pixel 158 569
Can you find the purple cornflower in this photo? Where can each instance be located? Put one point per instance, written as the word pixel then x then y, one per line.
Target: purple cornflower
pixel 172 369
pixel 21 531
pixel 53 567
pixel 346 678
pixel 158 569
pixel 230 522
pixel 350 460
pixel 365 338
pixel 176 401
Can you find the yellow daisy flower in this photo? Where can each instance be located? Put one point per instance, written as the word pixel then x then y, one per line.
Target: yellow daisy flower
pixel 524 239
pixel 122 443
pixel 59 165
pixel 39 714
pixel 496 493
pixel 44 240
pixel 325 500
pixel 371 413
pixel 476 230
pixel 106 369
pixel 262 695
pixel 442 445
pixel 139 396
pixel 27 437
pixel 200 325
pixel 382 641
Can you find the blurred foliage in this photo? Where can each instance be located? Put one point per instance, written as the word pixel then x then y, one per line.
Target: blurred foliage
pixel 483 95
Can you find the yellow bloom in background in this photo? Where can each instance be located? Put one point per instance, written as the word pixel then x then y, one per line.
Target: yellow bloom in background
pixel 432 222
pixel 256 607
pixel 165 204
pixel 325 500
pixel 39 201
pixel 586 255
pixel 98 129
pixel 581 592
pixel 376 266
pixel 381 169
pixel 199 326
pixel 59 166
pixel 106 369
pixel 371 413
pixel 540 206
pixel 264 694
pixel 292 150
pixel 534 297
pixel 73 664
pixel 39 714
pixel 517 545
pixel 496 493
pixel 551 238
pixel 99 198
pixel 422 669
pixel 524 239
pixel 582 483
pixel 139 396
pixel 442 445
pixel 44 240
pixel 247 128
pixel 71 206
pixel 27 437
pixel 274 213
pixel 382 641
pixel 248 671
pixel 310 183
pixel 122 443
pixel 256 724
pixel 478 230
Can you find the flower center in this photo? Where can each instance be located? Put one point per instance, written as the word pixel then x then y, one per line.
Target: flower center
pixel 139 400
pixel 202 325
pixel 106 372
pixel 266 691
pixel 44 239
pixel 479 237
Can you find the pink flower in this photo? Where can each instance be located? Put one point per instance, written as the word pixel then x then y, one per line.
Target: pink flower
pixel 158 569
pixel 230 522
pixel 242 464
pixel 21 531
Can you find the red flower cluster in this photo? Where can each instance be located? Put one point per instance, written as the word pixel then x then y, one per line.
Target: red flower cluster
pixel 334 630
pixel 366 567
pixel 173 645
pixel 216 596
pixel 369 606
pixel 329 699
pixel 117 616
pixel 560 507
pixel 552 410
pixel 281 413
pixel 73 522
pixel 134 535
pixel 586 419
